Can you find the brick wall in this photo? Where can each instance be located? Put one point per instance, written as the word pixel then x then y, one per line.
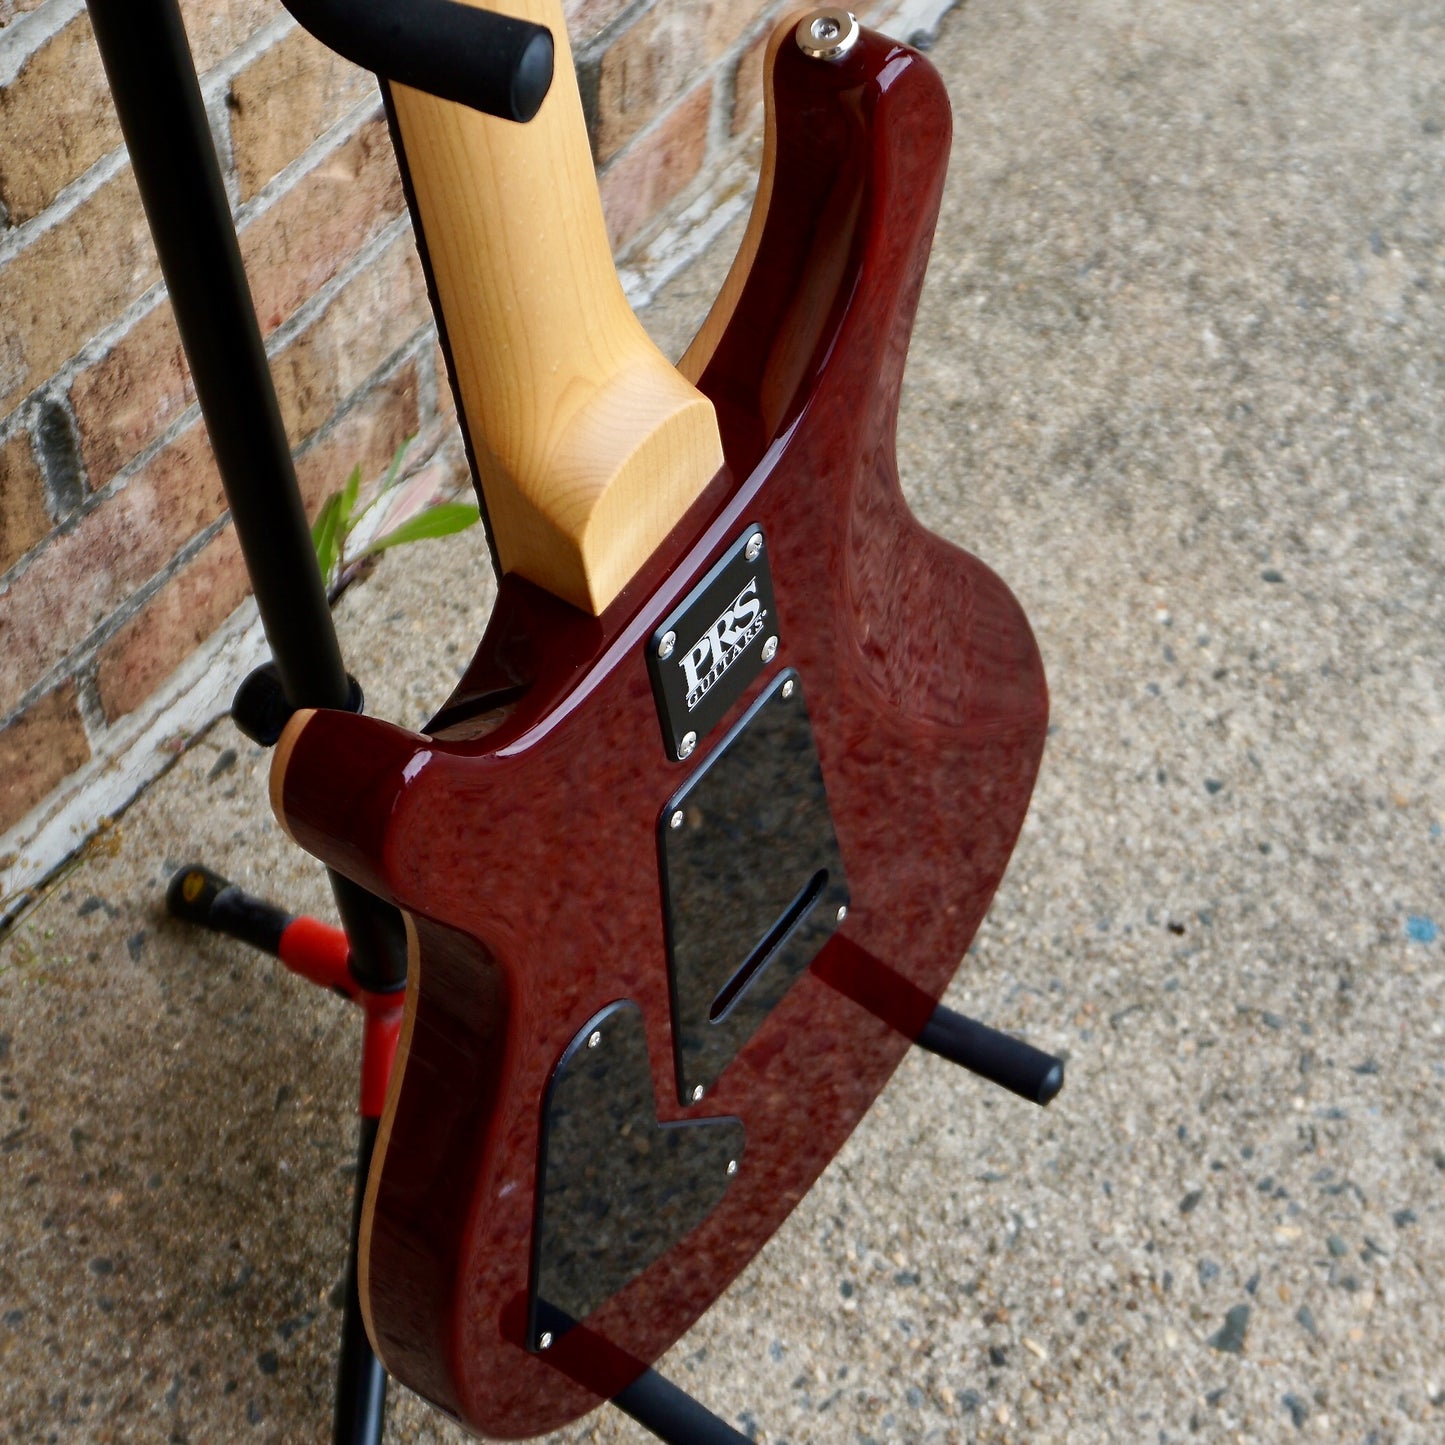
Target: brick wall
pixel 124 622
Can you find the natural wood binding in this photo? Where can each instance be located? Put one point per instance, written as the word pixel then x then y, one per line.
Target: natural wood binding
pixel 590 444
pixel 281 762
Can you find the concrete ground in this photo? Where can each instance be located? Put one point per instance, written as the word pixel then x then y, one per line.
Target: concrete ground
pixel 1179 379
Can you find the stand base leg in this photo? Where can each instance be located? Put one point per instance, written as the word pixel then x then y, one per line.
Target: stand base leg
pixel 1014 1065
pixel 320 953
pixel 360 1378
pixel 672 1414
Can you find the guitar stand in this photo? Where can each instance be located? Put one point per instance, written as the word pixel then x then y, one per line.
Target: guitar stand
pixel 504 67
pixel 319 952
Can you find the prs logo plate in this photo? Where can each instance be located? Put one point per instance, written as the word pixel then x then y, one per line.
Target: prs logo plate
pixel 710 649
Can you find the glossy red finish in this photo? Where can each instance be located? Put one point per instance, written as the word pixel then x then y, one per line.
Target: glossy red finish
pixel 521 836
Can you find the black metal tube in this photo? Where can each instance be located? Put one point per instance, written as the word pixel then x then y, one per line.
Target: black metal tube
pixel 1014 1065
pixel 493 63
pixel 163 118
pixel 375 935
pixel 672 1414
pixel 148 62
pixel 360 1378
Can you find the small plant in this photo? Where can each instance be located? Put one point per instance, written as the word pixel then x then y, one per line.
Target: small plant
pixel 338 521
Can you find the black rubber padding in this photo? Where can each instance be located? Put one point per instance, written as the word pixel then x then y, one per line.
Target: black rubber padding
pixel 198 895
pixel 1011 1063
pixel 492 63
pixel 261 708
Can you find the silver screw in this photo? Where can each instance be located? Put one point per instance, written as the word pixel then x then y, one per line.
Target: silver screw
pixel 665 647
pixel 789 688
pixel 827 34
pixel 842 912
pixel 770 649
pixel 593 1039
pixel 676 819
pixel 755 546
pixel 688 743
pixel 546 1341
pixel 697 1093
pixel 732 1166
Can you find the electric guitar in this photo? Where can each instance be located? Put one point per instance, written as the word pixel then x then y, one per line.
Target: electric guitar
pixel 699 840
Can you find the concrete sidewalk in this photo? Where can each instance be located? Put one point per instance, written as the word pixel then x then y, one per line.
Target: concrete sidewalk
pixel 1180 380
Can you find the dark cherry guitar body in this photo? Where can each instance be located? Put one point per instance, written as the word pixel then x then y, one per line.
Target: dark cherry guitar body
pixel 521 834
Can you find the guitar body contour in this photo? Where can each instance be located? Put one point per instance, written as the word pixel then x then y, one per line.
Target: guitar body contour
pixel 522 834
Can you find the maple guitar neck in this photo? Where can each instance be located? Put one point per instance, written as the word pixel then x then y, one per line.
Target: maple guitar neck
pixel 589 444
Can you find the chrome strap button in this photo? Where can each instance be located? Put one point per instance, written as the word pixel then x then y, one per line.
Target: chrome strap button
pixel 827 34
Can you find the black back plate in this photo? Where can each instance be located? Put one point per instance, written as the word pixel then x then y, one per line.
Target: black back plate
pixel 752 882
pixel 618 1188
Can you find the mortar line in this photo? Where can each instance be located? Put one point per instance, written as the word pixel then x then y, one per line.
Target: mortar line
pixel 28 33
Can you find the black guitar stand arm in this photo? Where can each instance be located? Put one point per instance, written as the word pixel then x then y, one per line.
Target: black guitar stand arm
pixel 490 62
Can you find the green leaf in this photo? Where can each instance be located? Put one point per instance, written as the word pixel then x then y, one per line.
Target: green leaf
pixel 393 472
pixel 324 518
pixel 349 494
pixel 442 520
pixel 324 536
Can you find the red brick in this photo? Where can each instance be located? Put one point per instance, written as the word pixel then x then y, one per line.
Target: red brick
pixel 24 519
pixel 377 311
pixel 68 282
pixel 637 186
pixel 287 97
pixel 216 27
pixel 56 121
pixel 129 397
pixel 728 24
pixel 40 749
pixel 655 60
pixel 133 393
pixel 181 616
pixel 309 234
pixel 369 435
pixel 588 18
pixel 86 573
pixel 446 397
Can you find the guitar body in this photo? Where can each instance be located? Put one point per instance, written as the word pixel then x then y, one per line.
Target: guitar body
pixel 526 834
